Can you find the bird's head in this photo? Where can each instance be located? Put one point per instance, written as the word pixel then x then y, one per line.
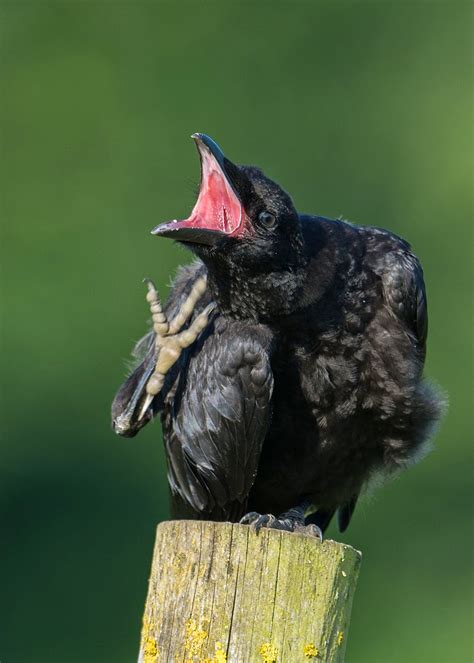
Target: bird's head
pixel 240 216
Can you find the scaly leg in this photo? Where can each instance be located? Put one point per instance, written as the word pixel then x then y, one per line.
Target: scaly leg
pixel 170 341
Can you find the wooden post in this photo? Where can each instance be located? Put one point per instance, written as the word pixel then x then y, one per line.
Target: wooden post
pixel 220 593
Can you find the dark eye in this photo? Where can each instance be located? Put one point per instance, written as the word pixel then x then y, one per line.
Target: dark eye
pixel 267 219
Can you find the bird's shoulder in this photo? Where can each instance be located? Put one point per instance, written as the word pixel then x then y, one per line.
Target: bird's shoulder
pixel 361 253
pixel 230 354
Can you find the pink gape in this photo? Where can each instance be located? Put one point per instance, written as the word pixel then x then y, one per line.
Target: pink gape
pixel 217 207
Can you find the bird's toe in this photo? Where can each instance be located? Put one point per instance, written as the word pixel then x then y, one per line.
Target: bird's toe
pixel 249 518
pixel 310 530
pixel 257 521
pixel 172 336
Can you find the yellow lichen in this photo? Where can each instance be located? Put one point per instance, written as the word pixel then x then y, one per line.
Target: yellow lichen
pixel 145 627
pixel 219 657
pixel 195 638
pixel 150 651
pixel 310 650
pixel 150 648
pixel 340 638
pixel 268 652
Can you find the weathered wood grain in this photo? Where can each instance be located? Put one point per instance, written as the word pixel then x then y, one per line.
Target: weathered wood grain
pixel 218 592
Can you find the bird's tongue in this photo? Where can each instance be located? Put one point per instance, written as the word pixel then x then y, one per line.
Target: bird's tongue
pixel 218 206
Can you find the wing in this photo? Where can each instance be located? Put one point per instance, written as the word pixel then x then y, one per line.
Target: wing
pixel 127 403
pixel 403 283
pixel 405 290
pixel 216 423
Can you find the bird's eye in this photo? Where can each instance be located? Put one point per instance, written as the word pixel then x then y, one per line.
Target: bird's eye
pixel 267 219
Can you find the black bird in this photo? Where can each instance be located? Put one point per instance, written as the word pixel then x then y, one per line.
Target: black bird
pixel 287 365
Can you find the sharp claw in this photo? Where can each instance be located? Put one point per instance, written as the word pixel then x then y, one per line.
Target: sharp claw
pixel 210 308
pixel 313 530
pixel 310 530
pixel 265 521
pixel 146 405
pixel 249 517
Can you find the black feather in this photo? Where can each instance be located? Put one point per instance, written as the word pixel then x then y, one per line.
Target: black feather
pixel 344 514
pixel 308 380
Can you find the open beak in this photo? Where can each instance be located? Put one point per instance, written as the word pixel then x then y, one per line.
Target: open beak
pixel 218 212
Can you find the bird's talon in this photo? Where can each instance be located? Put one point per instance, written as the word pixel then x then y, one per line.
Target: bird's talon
pixel 145 406
pixel 170 338
pixel 283 523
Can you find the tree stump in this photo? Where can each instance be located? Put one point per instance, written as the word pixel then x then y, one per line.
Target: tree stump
pixel 218 592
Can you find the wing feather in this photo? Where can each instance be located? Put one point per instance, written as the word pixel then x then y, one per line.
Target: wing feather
pixel 403 282
pixel 217 434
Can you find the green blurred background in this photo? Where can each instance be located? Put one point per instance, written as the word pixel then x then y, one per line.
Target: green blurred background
pixel 359 108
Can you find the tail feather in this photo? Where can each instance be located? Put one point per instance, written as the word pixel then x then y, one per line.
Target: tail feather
pixel 344 513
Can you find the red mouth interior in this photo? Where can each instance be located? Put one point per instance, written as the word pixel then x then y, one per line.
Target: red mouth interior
pixel 217 206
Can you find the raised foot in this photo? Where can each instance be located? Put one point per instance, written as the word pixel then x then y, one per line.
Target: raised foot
pixel 170 341
pixel 290 521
